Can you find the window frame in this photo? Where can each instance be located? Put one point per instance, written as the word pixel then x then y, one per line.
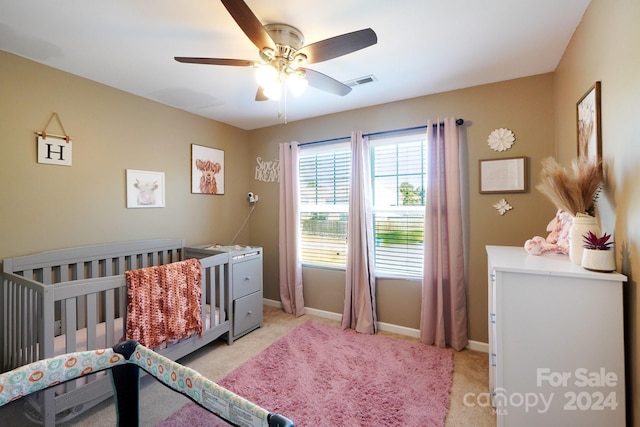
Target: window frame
pixel 342 147
pixel 396 140
pixel 382 140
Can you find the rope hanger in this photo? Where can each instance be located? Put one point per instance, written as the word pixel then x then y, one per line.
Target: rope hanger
pixel 44 133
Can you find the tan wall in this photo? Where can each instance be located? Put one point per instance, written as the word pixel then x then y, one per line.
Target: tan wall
pixel 524 106
pixel 48 207
pixel 605 48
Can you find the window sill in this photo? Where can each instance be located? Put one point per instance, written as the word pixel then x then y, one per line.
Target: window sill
pixel 397 276
pixel 378 274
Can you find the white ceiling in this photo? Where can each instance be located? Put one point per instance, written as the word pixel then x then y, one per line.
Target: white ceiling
pixel 424 47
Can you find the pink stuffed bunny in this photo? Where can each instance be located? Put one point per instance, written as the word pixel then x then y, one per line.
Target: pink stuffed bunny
pixel 557 242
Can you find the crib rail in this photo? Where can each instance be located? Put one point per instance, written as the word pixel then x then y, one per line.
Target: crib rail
pixel 85 294
pixel 143 252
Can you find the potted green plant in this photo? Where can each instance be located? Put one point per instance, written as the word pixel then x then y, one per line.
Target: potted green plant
pixel 598 254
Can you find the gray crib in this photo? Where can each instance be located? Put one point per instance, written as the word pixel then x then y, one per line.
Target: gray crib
pixel 75 299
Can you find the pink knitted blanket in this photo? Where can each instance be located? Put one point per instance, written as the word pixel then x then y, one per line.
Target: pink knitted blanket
pixel 164 302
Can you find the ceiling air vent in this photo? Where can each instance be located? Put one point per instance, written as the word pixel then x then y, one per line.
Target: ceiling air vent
pixel 361 81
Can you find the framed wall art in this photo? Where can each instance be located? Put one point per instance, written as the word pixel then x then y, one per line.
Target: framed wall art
pixel 503 175
pixel 207 170
pixel 145 189
pixel 589 124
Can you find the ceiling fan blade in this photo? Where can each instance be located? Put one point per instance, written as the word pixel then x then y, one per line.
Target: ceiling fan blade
pixel 339 45
pixel 249 23
pixel 260 96
pixel 215 61
pixel 325 83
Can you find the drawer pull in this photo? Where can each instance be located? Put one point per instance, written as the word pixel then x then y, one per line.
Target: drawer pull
pixel 247 278
pixel 249 313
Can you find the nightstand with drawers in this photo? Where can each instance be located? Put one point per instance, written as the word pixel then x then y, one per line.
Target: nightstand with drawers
pixel 245 277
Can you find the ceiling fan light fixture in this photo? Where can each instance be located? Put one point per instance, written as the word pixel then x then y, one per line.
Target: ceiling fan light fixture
pixel 296 83
pixel 273 91
pixel 284 56
pixel 299 60
pixel 266 75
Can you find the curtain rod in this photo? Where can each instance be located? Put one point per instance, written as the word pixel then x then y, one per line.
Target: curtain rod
pixel 459 122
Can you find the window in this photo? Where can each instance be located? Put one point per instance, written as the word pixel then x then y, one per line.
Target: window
pixel 398 166
pixel 324 197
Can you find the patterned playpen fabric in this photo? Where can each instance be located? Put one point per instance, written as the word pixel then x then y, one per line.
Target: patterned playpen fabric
pixel 164 302
pixel 46 373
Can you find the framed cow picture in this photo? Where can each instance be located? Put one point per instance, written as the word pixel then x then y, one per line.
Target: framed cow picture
pixel 207 170
pixel 145 189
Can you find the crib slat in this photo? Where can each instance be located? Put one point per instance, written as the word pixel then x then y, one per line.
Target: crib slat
pixel 119 267
pixel 70 321
pixel 92 322
pixel 46 309
pixel 31 326
pixel 221 294
pixel 10 307
pixel 4 325
pixel 46 275
pixel 22 315
pixel 64 277
pixel 70 336
pixel 109 309
pixel 108 267
pixel 205 281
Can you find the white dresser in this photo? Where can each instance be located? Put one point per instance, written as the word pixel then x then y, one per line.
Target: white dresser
pixel 556 341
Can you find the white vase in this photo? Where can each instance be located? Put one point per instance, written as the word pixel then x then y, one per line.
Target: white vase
pixel 598 260
pixel 582 223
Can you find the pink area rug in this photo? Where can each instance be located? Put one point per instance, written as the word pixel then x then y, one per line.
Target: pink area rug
pixel 320 375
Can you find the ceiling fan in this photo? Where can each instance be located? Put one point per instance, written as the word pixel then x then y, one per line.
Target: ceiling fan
pixel 283 56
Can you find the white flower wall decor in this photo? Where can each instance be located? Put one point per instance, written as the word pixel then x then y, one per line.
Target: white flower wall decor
pixel 501 139
pixel 503 206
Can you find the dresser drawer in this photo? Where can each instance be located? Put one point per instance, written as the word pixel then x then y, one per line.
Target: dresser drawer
pixel 247 313
pixel 247 277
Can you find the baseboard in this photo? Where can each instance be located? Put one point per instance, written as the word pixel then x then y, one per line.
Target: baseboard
pixel 478 346
pixel 271 303
pixel 387 327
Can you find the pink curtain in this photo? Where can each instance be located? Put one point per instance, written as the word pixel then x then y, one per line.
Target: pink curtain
pixel 443 317
pixel 289 217
pixel 359 309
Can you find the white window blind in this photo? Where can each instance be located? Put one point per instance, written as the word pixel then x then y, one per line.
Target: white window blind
pixel 398 174
pixel 398 167
pixel 324 196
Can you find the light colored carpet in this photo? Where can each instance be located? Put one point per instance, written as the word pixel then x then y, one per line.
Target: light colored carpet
pixel 215 361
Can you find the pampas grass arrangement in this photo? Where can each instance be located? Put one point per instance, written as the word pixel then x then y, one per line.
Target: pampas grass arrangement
pixel 574 191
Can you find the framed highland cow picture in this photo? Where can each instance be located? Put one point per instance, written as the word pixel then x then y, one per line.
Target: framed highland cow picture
pixel 207 170
pixel 145 189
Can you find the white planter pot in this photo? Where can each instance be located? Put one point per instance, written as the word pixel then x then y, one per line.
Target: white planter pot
pixel 599 260
pixel 582 223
